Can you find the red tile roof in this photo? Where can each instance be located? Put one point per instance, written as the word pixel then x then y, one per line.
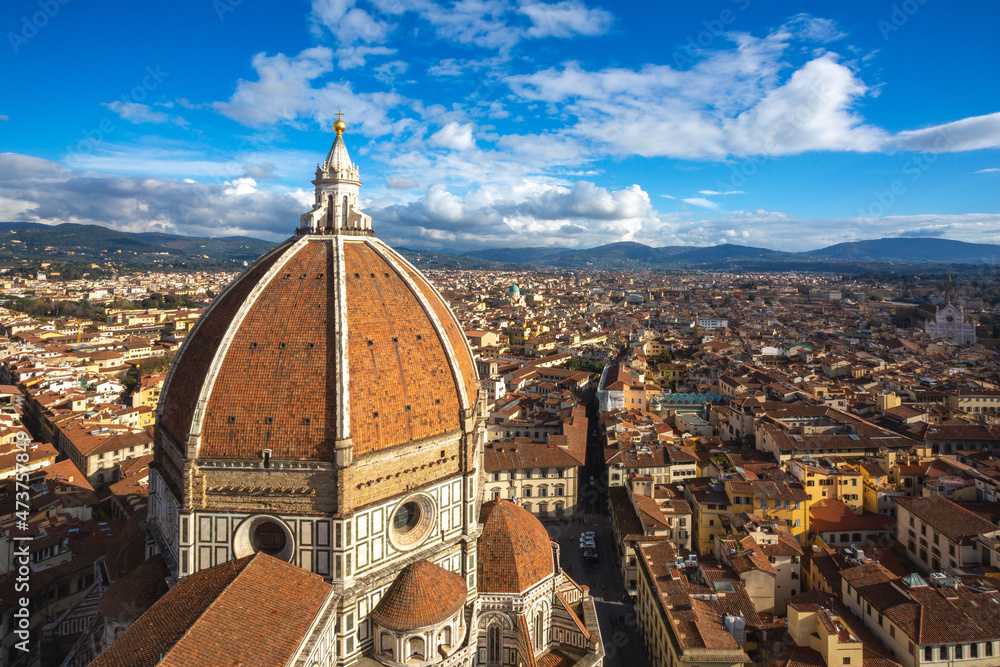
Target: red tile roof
pixel 953 521
pixel 834 514
pixel 129 597
pixel 253 611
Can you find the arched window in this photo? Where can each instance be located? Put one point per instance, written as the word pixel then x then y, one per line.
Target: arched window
pixel 387 643
pixel 539 630
pixel 493 645
pixel 527 507
pixel 527 492
pixel 343 214
pixel 415 648
pixel 330 212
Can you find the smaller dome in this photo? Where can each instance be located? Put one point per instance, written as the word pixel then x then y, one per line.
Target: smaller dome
pixel 515 551
pixel 424 594
pixel 514 289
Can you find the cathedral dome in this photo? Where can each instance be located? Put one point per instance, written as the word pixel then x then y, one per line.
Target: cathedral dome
pixel 515 551
pixel 324 338
pixel 423 595
pixel 329 379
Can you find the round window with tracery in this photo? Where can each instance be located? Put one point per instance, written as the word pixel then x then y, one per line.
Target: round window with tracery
pixel 411 522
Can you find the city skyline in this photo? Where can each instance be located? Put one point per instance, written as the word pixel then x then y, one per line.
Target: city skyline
pixel 494 124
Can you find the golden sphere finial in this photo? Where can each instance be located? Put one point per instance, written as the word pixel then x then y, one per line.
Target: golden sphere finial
pixel 339 125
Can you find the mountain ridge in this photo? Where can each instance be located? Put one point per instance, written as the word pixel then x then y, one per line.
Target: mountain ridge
pixel 71 242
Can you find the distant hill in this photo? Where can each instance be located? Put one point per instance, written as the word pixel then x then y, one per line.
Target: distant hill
pixel 515 255
pixel 424 259
pixel 94 243
pixel 853 256
pixel 74 243
pixel 912 250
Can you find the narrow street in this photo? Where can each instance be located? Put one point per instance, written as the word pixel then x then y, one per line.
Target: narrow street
pixel 622 638
pixel 623 642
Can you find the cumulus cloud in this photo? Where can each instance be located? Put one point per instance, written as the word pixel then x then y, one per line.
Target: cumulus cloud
pixel 743 98
pixel 534 212
pixel 528 213
pixel 142 113
pixel 36 190
pixel 732 103
pixel 348 23
pixel 284 92
pixel 457 136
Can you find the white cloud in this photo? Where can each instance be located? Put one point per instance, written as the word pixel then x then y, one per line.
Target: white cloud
pixel 491 24
pixel 456 136
pixel 742 98
pixel 700 201
pixel 387 72
pixel 714 193
pixel 989 170
pixel 536 212
pixel 4 117
pixel 142 113
pixel 968 134
pixel 525 213
pixel 565 19
pixel 733 103
pixel 284 93
pixel 36 190
pixel 349 57
pixel 348 23
pixel 814 29
pixel 240 186
pixel 811 112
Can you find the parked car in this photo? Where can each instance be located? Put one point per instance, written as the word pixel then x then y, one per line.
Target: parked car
pixel 588 535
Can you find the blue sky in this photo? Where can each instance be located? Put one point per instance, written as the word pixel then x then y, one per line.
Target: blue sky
pixel 487 123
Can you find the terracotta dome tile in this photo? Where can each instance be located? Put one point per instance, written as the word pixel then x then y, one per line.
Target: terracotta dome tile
pixel 515 551
pixel 423 595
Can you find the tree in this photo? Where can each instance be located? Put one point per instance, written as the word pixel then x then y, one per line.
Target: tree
pixel 154 365
pixel 580 364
